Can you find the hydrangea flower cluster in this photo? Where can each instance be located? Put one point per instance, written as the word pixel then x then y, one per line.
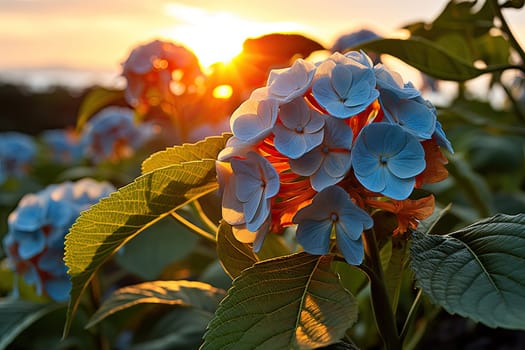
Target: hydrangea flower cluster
pixel 63 145
pixel 324 145
pixel 112 134
pixel 34 243
pixel 17 152
pixel 154 70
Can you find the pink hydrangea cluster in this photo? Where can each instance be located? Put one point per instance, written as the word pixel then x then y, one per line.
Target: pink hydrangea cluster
pixel 323 145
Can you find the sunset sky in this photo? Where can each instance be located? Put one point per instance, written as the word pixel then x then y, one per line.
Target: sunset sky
pixel 99 34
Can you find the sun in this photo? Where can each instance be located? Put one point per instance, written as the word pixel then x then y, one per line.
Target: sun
pixel 215 36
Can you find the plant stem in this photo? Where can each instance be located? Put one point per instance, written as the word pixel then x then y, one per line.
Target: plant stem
pixel 209 236
pixel 96 298
pixel 513 101
pixel 506 29
pixel 202 215
pixel 411 314
pixel 385 320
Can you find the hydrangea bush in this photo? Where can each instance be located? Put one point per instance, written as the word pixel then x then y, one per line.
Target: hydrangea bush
pixel 34 243
pixel 17 152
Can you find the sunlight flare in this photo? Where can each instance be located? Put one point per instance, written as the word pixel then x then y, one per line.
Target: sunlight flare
pixel 217 36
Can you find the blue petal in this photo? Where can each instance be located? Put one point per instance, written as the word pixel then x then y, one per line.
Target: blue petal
pixel 397 188
pixel 341 76
pixel 375 181
pixel 409 162
pixel 441 138
pixel 253 120
pixel 337 164
pixel 337 133
pixel 386 81
pixel 363 160
pixel 363 89
pixel 391 137
pixel 353 220
pixel 308 164
pixel 251 206
pixel 261 235
pixel 62 213
pixel 315 123
pixel 314 236
pixel 417 118
pixel 323 92
pixel 30 213
pixel 338 109
pixel 295 113
pixel 58 289
pixel 262 213
pixel 30 244
pixel 289 143
pixel 52 261
pixel 321 179
pixel 352 249
pixel 247 182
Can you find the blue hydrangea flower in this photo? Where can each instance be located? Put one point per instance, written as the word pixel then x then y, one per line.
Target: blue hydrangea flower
pixel 441 138
pixel 62 145
pixel 284 85
pixel 34 243
pixel 386 159
pixel 344 86
pixel 328 163
pixel 359 37
pixel 392 82
pixel 256 182
pixel 112 134
pixel 17 152
pixel 414 115
pixel 300 130
pixel 332 211
pixel 254 119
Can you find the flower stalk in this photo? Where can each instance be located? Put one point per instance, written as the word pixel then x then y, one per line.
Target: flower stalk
pixel 385 319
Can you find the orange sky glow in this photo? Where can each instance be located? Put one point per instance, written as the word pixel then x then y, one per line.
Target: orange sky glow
pixel 99 34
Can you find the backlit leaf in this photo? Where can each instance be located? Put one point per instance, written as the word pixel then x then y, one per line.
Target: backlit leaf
pixel 208 148
pixel 476 272
pixel 96 99
pixel 100 231
pixel 293 302
pixel 184 293
pixel 235 256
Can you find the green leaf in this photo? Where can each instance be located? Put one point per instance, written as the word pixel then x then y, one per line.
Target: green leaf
pixel 17 315
pixel 476 272
pixel 184 293
pixel 94 101
pixel 293 302
pixel 208 148
pixel 471 184
pixel 394 269
pixel 235 256
pixel 100 231
pixel 149 253
pixel 274 246
pixel 181 329
pixel 429 58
